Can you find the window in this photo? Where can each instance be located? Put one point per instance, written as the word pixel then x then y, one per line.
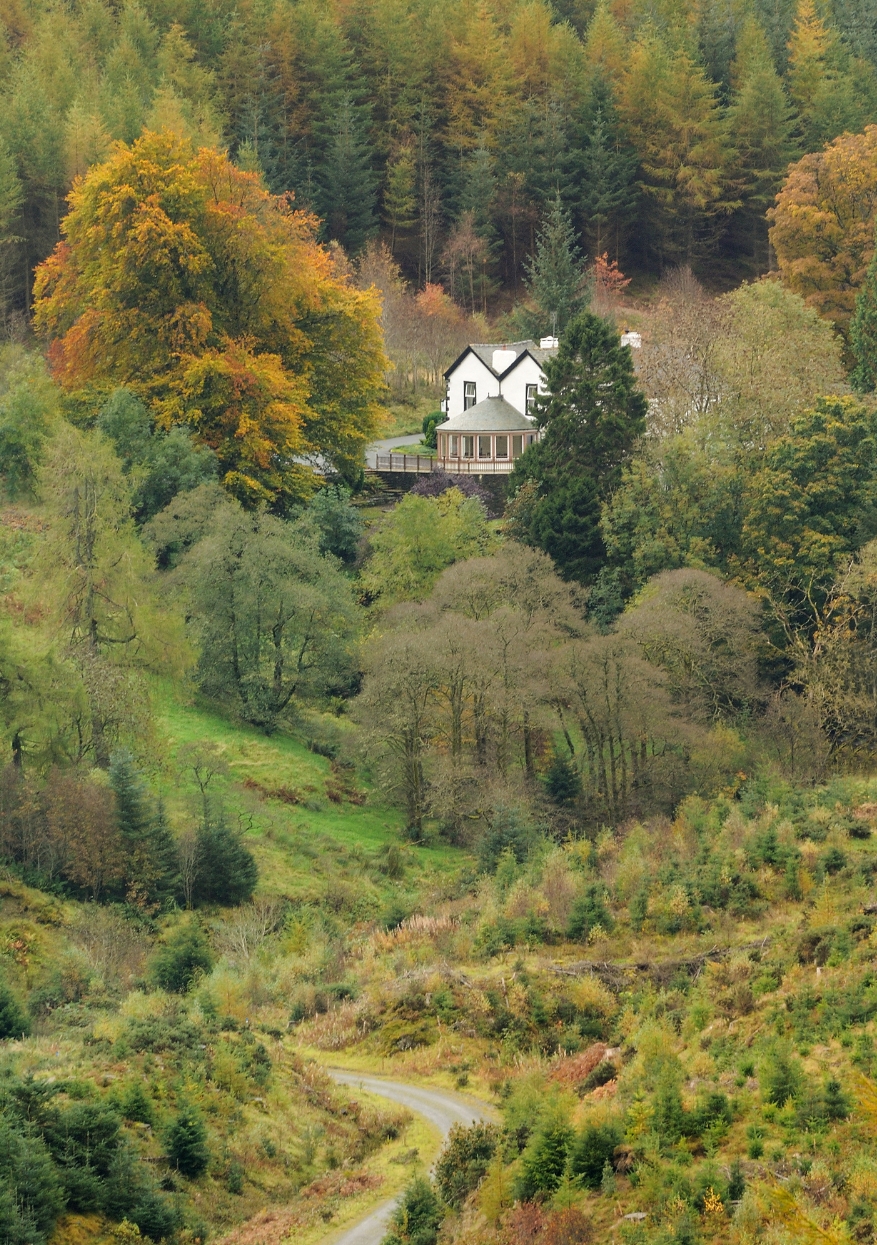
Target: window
pixel 484 447
pixel 517 447
pixel 532 394
pixel 531 437
pixel 455 448
pixel 468 447
pixel 468 394
pixel 502 447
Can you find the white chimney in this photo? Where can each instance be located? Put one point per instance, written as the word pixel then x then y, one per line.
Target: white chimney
pixel 548 343
pixel 503 358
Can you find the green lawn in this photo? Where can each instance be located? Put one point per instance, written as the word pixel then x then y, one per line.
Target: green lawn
pixel 310 848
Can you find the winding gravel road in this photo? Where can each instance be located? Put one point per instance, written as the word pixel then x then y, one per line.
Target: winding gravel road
pixel 443 1110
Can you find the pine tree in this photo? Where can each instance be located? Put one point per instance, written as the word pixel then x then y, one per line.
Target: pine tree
pixel 760 124
pixel 347 197
pixel 591 416
pixel 556 273
pixel 150 850
pixel 823 88
pixel 863 332
pixel 400 194
pixel 11 199
pixel 226 870
pixel 562 780
pixel 186 1143
pixel 14 1022
pixel 608 172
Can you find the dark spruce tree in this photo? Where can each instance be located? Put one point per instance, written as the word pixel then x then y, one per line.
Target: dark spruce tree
pixel 226 871
pixel 591 416
pixel 348 194
pixel 150 850
pixel 556 273
pixel 608 173
pixel 863 332
pixel 186 1143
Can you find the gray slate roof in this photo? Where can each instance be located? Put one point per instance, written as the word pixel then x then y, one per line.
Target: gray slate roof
pixel 485 350
pixel 489 415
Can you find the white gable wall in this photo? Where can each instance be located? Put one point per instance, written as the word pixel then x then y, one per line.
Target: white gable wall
pixel 470 369
pixel 514 385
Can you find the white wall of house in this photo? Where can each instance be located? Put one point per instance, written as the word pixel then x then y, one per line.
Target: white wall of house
pixel 475 372
pixel 514 385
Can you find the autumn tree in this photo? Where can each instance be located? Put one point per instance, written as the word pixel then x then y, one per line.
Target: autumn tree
pixel 823 224
pixel 183 280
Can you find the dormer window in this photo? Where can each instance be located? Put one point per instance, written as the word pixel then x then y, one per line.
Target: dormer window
pixel 469 399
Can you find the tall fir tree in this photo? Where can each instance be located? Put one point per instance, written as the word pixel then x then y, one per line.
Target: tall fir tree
pixel 556 271
pixel 400 195
pixel 863 332
pixel 11 199
pixel 348 190
pixel 824 88
pixel 608 182
pixel 591 416
pixel 760 125
pixel 150 851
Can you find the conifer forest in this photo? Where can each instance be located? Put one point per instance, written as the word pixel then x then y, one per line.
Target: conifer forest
pixel 412 838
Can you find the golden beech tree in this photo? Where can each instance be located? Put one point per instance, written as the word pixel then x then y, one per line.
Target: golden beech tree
pixel 823 224
pixel 183 279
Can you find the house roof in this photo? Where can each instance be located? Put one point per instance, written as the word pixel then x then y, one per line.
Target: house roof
pixel 489 415
pixel 484 352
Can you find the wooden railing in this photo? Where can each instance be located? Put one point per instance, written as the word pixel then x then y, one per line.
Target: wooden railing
pixel 423 464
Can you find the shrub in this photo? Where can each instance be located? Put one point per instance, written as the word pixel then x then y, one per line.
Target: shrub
pixel 182 959
pixel 418 1217
pixel 588 911
pixel 544 1159
pixel 781 1078
pixel 464 1161
pixel 186 1143
pixel 591 1150
pixel 13 1018
pixel 31 1198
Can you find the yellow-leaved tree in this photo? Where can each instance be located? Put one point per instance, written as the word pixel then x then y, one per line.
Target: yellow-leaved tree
pixel 181 278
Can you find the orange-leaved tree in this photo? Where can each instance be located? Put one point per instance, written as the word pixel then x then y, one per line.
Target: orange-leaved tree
pixel 181 278
pixel 823 224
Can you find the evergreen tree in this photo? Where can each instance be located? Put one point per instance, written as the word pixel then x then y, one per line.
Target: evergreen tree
pixel 226 871
pixel 150 850
pixel 863 332
pixel 31 1198
pixel 418 1217
pixel 825 91
pixel 590 418
pixel 400 195
pixel 544 1160
pixel 11 199
pixel 608 172
pixel 14 1022
pixel 347 198
pixel 179 962
pixel 760 124
pixel 186 1143
pixel 556 273
pixel 562 780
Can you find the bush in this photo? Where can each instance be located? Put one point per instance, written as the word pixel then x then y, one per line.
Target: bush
pixel 182 959
pixel 544 1159
pixel 781 1078
pixel 588 912
pixel 417 1218
pixel 13 1018
pixel 226 870
pixel 31 1198
pixel 186 1143
pixel 464 1161
pixel 591 1150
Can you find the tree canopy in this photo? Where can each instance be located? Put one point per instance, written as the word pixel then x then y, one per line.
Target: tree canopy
pixel 181 278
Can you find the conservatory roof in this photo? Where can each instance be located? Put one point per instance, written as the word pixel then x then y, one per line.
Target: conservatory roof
pixel 489 415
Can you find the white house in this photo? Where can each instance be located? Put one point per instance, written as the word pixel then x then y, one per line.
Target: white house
pixel 512 371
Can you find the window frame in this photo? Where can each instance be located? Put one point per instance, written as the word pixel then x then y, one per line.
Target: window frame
pixel 470 394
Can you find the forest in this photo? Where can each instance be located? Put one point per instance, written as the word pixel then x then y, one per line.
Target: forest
pixel 556 793
pixel 448 129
